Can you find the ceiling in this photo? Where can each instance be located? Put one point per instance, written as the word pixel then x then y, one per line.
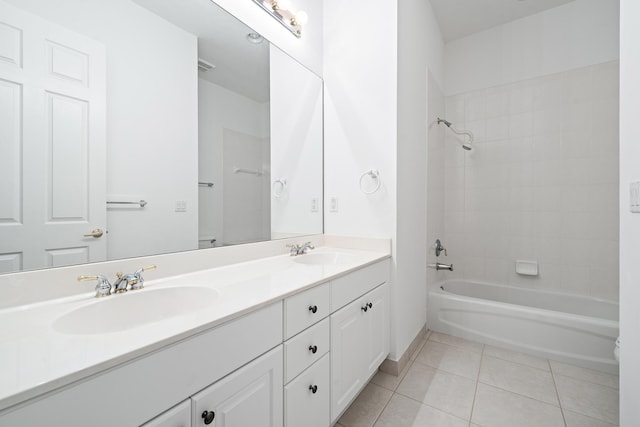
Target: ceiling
pixel 460 18
pixel 240 66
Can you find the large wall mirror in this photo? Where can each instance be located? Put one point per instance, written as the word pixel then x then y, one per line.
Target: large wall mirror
pixel 140 127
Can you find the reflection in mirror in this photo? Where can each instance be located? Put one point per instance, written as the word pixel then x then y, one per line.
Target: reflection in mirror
pixel 114 145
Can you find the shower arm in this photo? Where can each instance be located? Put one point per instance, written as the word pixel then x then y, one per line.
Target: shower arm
pixel 457 132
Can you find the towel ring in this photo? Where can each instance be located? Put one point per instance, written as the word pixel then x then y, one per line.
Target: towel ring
pixel 278 187
pixel 375 175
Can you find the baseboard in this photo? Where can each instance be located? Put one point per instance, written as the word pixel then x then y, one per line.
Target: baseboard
pixel 394 367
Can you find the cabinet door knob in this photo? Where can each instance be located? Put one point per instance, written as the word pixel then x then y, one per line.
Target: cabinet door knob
pixel 364 308
pixel 208 416
pixel 313 308
pixel 370 305
pixel 313 348
pixel 313 388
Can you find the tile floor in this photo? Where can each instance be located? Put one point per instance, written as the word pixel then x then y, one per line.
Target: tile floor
pixel 454 382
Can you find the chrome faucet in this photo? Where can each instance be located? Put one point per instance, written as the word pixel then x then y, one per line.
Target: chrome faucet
pixel 295 250
pixel 440 266
pixel 103 288
pixel 134 280
pixel 439 248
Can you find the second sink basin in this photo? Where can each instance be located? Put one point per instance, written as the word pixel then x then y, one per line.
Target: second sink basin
pixel 118 313
pixel 324 258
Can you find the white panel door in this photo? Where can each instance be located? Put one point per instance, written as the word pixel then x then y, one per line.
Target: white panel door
pixel 52 144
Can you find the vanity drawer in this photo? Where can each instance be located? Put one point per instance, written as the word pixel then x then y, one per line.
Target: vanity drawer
pixel 302 406
pixel 298 351
pixel 178 416
pixel 353 285
pixel 306 308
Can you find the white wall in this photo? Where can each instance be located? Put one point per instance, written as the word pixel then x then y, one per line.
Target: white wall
pixel 307 49
pixel 296 147
pixel 580 33
pixel 629 223
pixel 360 101
pixel 151 120
pixel 217 111
pixel 411 218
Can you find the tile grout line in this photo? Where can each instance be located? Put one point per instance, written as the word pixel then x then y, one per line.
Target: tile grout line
pixel 555 387
pixel 475 393
pixel 393 392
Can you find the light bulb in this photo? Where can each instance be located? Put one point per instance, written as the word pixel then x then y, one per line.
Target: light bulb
pixel 301 18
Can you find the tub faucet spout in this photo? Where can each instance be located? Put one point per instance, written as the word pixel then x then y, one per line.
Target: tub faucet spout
pixel 440 266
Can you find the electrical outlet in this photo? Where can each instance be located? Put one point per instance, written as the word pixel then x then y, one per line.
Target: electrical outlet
pixel 181 206
pixel 333 204
pixel 314 204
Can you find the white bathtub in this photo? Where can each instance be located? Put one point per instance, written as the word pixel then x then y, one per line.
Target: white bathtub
pixel 568 328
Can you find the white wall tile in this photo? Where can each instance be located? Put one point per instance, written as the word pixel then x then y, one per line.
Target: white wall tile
pixel 540 184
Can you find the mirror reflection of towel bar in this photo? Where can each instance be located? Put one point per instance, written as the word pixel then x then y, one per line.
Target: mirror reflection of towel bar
pixel 205 184
pixel 249 171
pixel 142 203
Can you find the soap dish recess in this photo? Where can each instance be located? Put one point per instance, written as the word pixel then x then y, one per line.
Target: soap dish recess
pixel 527 268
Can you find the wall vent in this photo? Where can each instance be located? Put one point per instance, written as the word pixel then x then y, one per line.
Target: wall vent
pixel 205 66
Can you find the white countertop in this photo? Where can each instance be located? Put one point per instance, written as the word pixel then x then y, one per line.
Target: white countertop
pixel 36 359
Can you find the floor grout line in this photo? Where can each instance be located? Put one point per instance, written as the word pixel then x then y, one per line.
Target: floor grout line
pixel 555 387
pixel 475 393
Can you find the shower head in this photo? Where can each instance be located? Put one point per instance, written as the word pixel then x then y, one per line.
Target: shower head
pixel 465 145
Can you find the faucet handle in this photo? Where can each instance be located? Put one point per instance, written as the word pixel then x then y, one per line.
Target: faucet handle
pixel 103 288
pixel 137 281
pixel 294 249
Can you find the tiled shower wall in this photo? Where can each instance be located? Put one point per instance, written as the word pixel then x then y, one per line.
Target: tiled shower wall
pixel 541 183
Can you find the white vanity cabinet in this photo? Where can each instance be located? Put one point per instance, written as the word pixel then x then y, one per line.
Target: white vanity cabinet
pixel 135 392
pixel 359 338
pixel 178 416
pixel 251 396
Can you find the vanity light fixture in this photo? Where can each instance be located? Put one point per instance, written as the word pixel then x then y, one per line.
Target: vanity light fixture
pixel 280 10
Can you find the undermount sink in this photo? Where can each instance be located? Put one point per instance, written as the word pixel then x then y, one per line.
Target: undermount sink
pixel 324 258
pixel 118 313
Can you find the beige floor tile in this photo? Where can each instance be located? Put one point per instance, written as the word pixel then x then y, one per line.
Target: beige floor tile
pixel 456 342
pixel 498 408
pixel 364 411
pixel 574 419
pixel 593 400
pixel 516 357
pixel 447 392
pixel 455 360
pixel 389 381
pixel 585 374
pixel 404 412
pixel 531 382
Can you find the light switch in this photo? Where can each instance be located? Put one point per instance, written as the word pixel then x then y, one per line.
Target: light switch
pixel 333 204
pixel 634 197
pixel 181 206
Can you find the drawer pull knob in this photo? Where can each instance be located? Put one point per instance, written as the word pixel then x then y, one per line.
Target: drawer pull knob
pixel 313 348
pixel 208 416
pixel 313 308
pixel 313 388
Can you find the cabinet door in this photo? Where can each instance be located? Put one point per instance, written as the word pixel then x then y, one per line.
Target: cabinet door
pixel 178 416
pixel 349 353
pixel 251 396
pixel 307 397
pixel 377 318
